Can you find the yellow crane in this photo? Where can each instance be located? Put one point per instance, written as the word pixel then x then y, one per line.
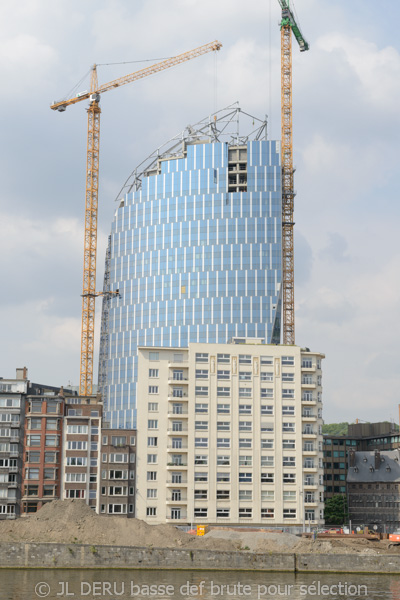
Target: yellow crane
pixel 288 24
pixel 91 198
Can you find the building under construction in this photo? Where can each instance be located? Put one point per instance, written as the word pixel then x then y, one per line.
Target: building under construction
pixel 195 250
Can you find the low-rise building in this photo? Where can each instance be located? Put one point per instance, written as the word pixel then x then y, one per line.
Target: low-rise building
pixel 373 482
pixel 230 434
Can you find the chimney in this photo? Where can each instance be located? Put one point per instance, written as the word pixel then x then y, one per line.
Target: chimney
pixel 377 459
pixel 22 373
pixel 352 458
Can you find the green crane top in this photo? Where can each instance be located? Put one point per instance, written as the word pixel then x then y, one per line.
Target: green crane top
pixel 289 19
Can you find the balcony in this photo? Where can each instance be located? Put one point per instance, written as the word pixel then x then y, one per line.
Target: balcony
pixel 174 466
pixel 172 398
pixel 174 519
pixel 308 382
pixel 177 415
pixel 308 398
pixel 178 363
pixel 309 416
pixel 177 499
pixel 182 483
pixel 308 365
pixel 309 432
pixel 177 432
pixel 174 448
pixel 173 381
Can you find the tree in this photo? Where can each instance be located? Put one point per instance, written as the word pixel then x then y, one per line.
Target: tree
pixel 336 511
pixel 335 428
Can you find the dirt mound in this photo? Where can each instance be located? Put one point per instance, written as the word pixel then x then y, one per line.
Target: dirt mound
pixel 257 541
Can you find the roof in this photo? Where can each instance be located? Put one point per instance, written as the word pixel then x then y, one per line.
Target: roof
pixel 374 467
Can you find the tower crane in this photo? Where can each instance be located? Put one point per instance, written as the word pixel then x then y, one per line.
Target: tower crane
pixel 288 24
pixel 91 198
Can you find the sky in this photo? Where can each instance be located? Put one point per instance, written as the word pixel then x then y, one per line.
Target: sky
pixel 346 120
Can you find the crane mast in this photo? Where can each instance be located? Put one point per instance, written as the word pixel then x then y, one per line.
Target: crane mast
pixel 288 24
pixel 91 197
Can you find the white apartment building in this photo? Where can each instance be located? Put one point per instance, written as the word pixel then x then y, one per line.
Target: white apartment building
pixel 230 434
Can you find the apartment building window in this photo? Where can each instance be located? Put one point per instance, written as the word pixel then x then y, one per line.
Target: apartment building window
pixel 177 443
pixel 288 410
pixel 176 478
pixel 176 496
pixel 75 494
pixel 223 477
pixel 177 392
pixel 244 359
pixel 267 444
pixel 223 513
pixel 245 392
pixel 151 458
pixel 245 409
pixel 223 392
pixel 201 408
pixel 201 373
pixel 201 512
pixel 245 461
pixel 289 461
pixel 267 496
pixel 152 442
pixel 177 375
pixel 289 513
pixel 74 412
pixel 76 445
pixel 308 447
pixel 49 473
pixel 73 477
pixel 201 476
pixel 151 511
pixel 223 494
pixel 223 358
pixel 32 473
pixel 288 427
pixel 34 423
pixel 153 373
pixel 245 426
pixel 223 375
pixel 154 356
pixel 151 475
pixel 245 513
pixel 288 377
pixel 36 406
pixel 307 397
pixel 177 426
pixel 32 440
pixel 288 444
pixel 267 461
pixel 267 376
pixel 175 513
pixel 153 389
pixel 288 361
pixel 289 496
pixel 267 478
pixel 93 446
pixel 152 424
pixel 201 390
pixel 223 426
pixel 223 461
pixel 201 459
pixel 223 409
pixel 152 406
pixel 32 457
pixel 267 513
pixel 246 495
pixel 201 425
pixel 200 494
pixel 201 442
pixel 245 442
pixel 267 393
pixel 306 363
pixel 177 408
pixel 93 478
pixel 77 429
pixel 286 393
pixel 176 460
pixel 223 443
pixel 289 478
pixel 201 357
pixel 245 375
pixel 266 360
pixel 245 477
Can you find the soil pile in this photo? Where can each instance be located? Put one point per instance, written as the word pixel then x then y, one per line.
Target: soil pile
pixel 73 522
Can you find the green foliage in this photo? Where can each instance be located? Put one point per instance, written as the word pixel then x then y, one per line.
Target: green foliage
pixel 336 512
pixel 335 428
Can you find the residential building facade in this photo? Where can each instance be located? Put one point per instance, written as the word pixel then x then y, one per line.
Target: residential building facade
pixel 195 253
pixel 230 434
pixel 117 486
pixel 12 413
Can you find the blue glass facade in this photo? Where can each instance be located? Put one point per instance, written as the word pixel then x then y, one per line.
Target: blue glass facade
pixel 196 256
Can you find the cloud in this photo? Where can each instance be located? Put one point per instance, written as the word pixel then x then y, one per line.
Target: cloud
pixel 336 249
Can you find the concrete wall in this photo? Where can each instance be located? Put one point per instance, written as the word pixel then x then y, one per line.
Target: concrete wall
pixel 32 555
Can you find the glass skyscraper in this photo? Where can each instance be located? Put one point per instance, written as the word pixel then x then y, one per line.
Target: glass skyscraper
pixel 195 252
